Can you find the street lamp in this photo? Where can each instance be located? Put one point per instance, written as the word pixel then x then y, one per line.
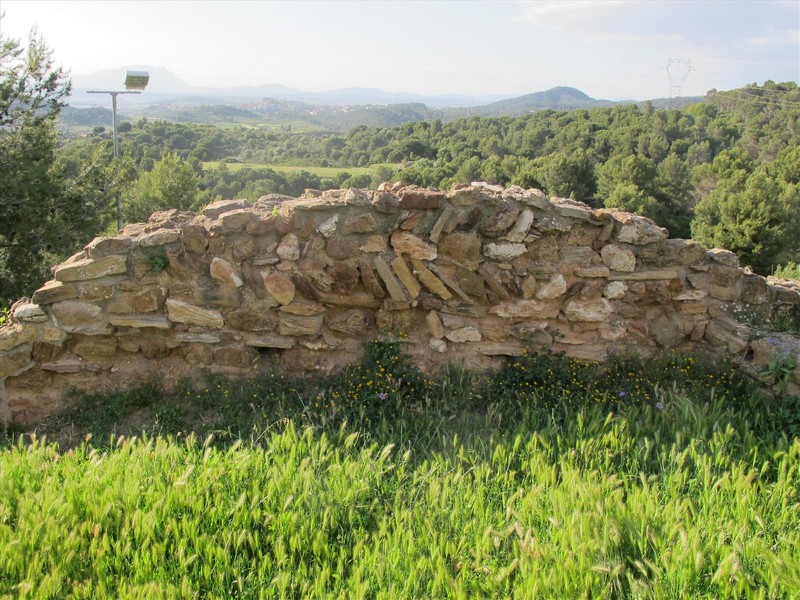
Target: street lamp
pixel 135 82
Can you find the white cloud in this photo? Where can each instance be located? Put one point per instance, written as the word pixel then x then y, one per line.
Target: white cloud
pixel 788 36
pixel 598 20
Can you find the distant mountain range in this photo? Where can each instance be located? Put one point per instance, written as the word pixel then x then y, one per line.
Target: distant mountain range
pixel 170 99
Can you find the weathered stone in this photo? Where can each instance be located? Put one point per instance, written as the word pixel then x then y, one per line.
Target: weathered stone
pixel 264 340
pixel 498 222
pixel 673 253
pixel 238 358
pixel 194 238
pixel 501 349
pixel 723 257
pixel 529 287
pixel 16 361
pixel 554 288
pixel 392 285
pixel 465 247
pixel 261 225
pixel 236 220
pixel 754 289
pixel 255 318
pixel 572 209
pixel 345 277
pixel 429 280
pixel 504 251
pixel 654 274
pixel 304 287
pixel 75 316
pixel 242 248
pixel 435 326
pixel 88 268
pixel 363 223
pixel 593 311
pixel 518 309
pixel 493 281
pixel 723 275
pixel 465 334
pixel 223 271
pixel 100 247
pixel 218 297
pixel 721 292
pixel 289 247
pixel 303 307
pixel 356 197
pixel 615 290
pixel 148 300
pixel 16 335
pixel 725 334
pixel 553 223
pixel 411 199
pixel 521 227
pixel 448 281
pixel 31 313
pixel 618 259
pixel 407 243
pixel 54 291
pixel 699 281
pixel 385 203
pixel 328 228
pixel 202 337
pixel 161 237
pixel 438 227
pixel 439 346
pixel 692 295
pixel 350 322
pixel 280 287
pixel 183 312
pixel 351 300
pixel 96 348
pixel 133 320
pixel 370 279
pixel 667 329
pixel 593 271
pixel 406 277
pixel 635 229
pixel 374 243
pixel 340 248
pixel 300 325
pixel 214 210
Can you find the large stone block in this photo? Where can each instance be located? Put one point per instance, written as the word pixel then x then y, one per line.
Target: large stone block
pixel 404 242
pixel 183 312
pixel 75 316
pixel 596 310
pixel 516 309
pixel 89 268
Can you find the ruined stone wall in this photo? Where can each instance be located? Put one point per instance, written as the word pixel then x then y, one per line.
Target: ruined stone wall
pixel 469 275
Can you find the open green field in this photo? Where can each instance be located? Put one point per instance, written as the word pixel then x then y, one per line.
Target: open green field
pixel 318 171
pixel 550 479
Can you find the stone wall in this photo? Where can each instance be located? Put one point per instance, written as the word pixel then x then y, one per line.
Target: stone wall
pixel 470 275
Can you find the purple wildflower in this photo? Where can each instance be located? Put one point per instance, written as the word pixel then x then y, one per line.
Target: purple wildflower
pixel 382 396
pixel 660 405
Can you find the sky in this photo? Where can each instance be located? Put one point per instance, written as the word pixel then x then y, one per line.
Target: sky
pixel 615 49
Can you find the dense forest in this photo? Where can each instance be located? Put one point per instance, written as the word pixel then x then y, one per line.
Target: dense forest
pixel 724 171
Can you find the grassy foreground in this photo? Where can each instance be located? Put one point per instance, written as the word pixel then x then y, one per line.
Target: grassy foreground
pixel 515 487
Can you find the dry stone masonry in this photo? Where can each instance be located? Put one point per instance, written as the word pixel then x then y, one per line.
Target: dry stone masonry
pixel 474 274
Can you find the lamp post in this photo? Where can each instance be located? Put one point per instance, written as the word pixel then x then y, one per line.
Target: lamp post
pixel 135 82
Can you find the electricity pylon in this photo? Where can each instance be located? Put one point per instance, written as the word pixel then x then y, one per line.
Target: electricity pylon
pixel 678 70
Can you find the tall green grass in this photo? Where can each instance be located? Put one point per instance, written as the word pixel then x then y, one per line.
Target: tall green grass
pixel 460 489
